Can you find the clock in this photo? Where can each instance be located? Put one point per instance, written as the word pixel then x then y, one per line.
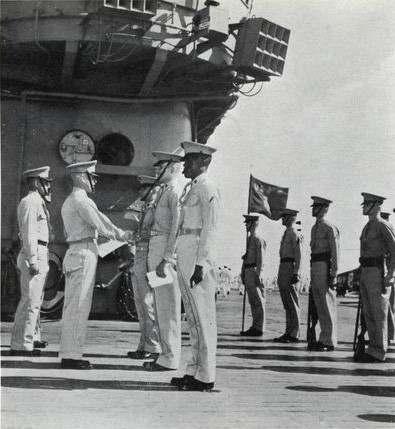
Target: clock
pixel 76 146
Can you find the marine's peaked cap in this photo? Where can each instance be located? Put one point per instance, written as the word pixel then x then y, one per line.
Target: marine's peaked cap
pixel 289 212
pixel 42 172
pixel 82 167
pixel 371 198
pixel 194 147
pixel 319 201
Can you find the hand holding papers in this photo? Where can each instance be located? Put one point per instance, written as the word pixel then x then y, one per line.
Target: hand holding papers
pixel 155 281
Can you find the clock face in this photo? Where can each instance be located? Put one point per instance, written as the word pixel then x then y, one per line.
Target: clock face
pixel 76 146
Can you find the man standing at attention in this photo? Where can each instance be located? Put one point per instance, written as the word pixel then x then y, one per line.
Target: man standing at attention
pixel 289 276
pixel 251 277
pixel 83 222
pixel 196 268
pixel 324 264
pixel 161 258
pixel 377 246
pixel 33 223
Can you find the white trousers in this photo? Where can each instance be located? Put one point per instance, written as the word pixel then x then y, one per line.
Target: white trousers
pixel 79 266
pixel 325 302
pixel 199 303
pixel 168 308
pixel 375 310
pixel 144 300
pixel 26 327
pixel 290 298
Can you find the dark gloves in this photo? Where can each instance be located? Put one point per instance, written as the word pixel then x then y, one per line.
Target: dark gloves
pixel 197 276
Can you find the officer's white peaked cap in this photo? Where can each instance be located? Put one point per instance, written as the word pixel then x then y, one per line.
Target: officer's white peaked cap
pixel 193 147
pixel 42 172
pixel 82 167
pixel 166 157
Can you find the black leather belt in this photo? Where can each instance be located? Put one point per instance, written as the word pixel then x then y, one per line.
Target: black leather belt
pixel 249 265
pixel 42 243
pixel 320 257
pixel 287 260
pixel 371 261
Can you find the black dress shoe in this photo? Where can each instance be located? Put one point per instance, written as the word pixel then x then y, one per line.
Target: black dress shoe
pixel 153 366
pixel 142 354
pixel 182 381
pixel 321 347
pixel 29 353
pixel 367 358
pixel 75 364
pixel 40 344
pixel 283 339
pixel 198 386
pixel 251 332
pixel 292 339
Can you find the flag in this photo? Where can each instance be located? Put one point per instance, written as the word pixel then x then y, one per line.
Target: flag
pixel 266 199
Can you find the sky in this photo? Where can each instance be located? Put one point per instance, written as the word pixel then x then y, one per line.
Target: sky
pixel 326 127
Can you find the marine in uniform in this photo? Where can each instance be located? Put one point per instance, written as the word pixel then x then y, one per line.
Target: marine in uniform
pixel 251 277
pixel 196 269
pixel 148 347
pixel 377 277
pixel 289 276
pixel 34 227
pixel 324 265
pixel 83 222
pixel 161 258
pixel 391 308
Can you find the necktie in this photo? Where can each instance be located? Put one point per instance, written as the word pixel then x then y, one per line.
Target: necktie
pixel 185 191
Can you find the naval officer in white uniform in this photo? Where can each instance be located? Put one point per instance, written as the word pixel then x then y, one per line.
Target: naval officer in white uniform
pixel 161 258
pixel 33 223
pixel 83 222
pixel 196 268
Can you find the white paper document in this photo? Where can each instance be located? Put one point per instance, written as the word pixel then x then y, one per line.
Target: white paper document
pixel 109 246
pixel 156 281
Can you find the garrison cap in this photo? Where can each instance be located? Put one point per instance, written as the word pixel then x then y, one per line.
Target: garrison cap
pixel 385 215
pixel 166 157
pixel 289 212
pixel 194 147
pixel 82 167
pixel 371 198
pixel 319 201
pixel 146 180
pixel 41 172
pixel 250 218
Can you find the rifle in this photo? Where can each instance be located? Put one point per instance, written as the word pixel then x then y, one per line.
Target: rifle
pixel 312 320
pixel 359 341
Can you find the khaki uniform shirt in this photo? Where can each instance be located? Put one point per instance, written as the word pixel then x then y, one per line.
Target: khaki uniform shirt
pixel 166 217
pixel 33 224
pixel 199 210
pixel 325 238
pixel 82 219
pixel 256 248
pixel 290 247
pixel 378 239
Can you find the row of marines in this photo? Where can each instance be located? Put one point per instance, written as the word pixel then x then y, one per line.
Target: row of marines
pixel 377 289
pixel 169 225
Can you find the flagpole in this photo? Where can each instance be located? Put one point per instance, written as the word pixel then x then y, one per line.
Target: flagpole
pixel 244 294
